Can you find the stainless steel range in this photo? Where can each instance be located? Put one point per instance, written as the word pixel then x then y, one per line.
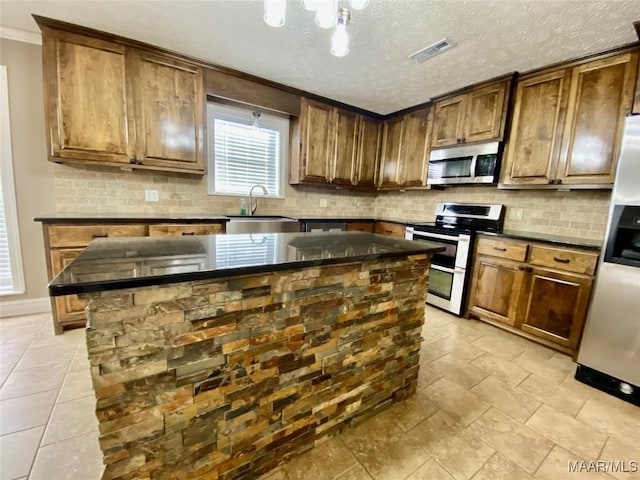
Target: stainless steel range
pixel 455 227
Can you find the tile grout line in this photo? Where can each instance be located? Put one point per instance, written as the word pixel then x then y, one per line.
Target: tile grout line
pixel 604 445
pixel 545 457
pixel 46 427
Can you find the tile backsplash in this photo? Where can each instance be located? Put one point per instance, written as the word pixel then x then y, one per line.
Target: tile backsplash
pixel 95 189
pixel 92 189
pixel 576 213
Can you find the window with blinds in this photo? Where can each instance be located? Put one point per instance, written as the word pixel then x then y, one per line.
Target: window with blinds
pixel 243 152
pixel 11 274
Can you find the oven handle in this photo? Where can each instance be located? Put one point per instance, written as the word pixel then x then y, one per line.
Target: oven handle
pixel 447 269
pixel 429 236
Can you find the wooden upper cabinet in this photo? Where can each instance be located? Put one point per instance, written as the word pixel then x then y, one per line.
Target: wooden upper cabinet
pixel 405 142
pixel 476 116
pixel 391 152
pixel 449 121
pixel 534 144
pixel 370 133
pixel 343 161
pixel 112 104
pixel 316 141
pixel 486 108
pixel 169 105
pixel 415 142
pixel 567 124
pixel 88 103
pixel 601 96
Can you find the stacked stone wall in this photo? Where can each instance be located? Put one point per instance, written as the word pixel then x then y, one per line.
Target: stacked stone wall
pixel 227 378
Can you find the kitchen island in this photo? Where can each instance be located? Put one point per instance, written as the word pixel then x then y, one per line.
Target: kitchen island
pixel 221 356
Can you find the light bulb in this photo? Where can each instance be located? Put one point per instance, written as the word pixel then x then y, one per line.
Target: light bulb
pixel 274 12
pixel 310 5
pixel 326 13
pixel 358 4
pixel 340 41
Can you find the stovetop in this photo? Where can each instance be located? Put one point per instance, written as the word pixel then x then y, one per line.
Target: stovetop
pixel 465 218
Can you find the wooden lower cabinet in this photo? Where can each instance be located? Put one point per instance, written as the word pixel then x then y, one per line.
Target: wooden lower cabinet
pixel 65 241
pixel 178 229
pixel 390 229
pixel 496 288
pixel 360 227
pixel 68 309
pixel 554 305
pixel 546 303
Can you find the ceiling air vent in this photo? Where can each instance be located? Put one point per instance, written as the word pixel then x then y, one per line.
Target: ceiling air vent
pixel 432 50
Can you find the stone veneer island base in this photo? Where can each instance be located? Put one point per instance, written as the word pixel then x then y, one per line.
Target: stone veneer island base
pixel 228 371
pixel 227 378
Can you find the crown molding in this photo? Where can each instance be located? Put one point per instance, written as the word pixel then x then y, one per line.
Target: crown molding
pixel 20 35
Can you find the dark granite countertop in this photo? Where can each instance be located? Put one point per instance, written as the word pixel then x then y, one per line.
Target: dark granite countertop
pixel 549 238
pixel 129 218
pixel 115 263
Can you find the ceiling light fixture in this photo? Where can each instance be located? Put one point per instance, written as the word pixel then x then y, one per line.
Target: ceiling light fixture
pixel 328 14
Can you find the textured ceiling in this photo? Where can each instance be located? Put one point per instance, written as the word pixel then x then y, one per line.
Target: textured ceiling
pixel 492 37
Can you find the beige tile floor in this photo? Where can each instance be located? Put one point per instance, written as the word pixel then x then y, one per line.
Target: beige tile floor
pixel 489 406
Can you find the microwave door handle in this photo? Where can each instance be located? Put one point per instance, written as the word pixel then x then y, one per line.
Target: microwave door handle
pixel 472 173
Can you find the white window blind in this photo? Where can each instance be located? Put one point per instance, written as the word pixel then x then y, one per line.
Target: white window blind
pixel 11 274
pixel 242 154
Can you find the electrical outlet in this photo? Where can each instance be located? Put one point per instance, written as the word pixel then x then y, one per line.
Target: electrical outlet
pixel 151 196
pixel 324 203
pixel 517 213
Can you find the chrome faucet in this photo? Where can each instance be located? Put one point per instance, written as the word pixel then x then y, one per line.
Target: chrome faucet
pixel 254 205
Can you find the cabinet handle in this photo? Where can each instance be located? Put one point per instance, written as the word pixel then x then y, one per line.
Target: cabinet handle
pixel 463 140
pixel 559 181
pixel 521 268
pixel 500 249
pixel 388 231
pixel 551 181
pixel 561 260
pixel 188 233
pixel 95 235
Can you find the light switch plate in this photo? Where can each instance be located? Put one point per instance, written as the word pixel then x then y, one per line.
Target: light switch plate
pixel 151 196
pixel 323 203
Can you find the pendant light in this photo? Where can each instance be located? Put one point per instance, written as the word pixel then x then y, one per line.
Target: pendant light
pixel 328 14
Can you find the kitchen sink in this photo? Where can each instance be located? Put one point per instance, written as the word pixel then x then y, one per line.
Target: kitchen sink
pixel 261 224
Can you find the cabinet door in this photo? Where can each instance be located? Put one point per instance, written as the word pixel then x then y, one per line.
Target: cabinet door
pixel 484 119
pixel 88 106
pixel 368 151
pixel 415 140
pixel 345 140
pixel 496 288
pixel 69 308
pixel 601 95
pixel 317 141
pixel 169 113
pixel 536 130
pixel 366 227
pixel 448 121
pixel 554 305
pixel 391 152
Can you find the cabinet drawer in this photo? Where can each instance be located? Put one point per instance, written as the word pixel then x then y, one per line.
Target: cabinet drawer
pixel 562 259
pixel 178 229
pixel 503 249
pixel 360 227
pixel 82 235
pixel 390 229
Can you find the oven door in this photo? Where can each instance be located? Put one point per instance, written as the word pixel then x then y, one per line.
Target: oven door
pixel 448 272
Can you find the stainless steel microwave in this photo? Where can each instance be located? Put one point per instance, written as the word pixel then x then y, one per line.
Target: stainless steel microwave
pixel 467 164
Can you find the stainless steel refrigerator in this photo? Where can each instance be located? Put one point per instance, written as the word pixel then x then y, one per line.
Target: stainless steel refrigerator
pixel 609 355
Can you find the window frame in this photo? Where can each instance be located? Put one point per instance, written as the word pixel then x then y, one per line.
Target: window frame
pixel 244 115
pixel 9 198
